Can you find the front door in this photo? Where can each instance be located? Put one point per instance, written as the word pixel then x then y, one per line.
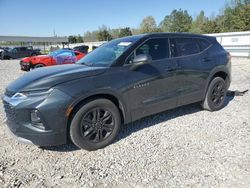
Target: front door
pixel 152 87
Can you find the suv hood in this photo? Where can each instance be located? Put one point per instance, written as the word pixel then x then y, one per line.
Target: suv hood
pixel 47 77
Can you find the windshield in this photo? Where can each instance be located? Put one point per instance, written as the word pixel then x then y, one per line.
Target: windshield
pixel 108 53
pixel 58 52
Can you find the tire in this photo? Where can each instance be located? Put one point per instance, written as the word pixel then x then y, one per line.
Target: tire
pixel 7 57
pixel 215 96
pixel 91 131
pixel 38 66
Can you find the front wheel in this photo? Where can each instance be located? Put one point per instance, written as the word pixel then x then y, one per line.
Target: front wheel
pixel 216 94
pixel 95 125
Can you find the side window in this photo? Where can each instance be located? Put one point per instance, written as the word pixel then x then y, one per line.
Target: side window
pixel 65 54
pixel 186 46
pixel 156 48
pixel 14 50
pixel 203 44
pixel 23 49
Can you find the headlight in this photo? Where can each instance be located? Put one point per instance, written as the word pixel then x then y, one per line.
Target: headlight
pixel 20 96
pixel 36 93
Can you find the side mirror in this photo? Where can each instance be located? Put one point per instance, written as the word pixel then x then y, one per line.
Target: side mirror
pixel 141 60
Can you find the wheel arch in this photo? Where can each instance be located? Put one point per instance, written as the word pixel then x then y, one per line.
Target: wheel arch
pixel 220 72
pixel 75 106
pixel 223 75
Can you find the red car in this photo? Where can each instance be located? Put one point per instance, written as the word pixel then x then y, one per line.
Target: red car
pixel 58 57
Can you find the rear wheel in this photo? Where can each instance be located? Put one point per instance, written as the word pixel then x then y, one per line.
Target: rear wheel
pixel 95 125
pixel 38 66
pixel 216 95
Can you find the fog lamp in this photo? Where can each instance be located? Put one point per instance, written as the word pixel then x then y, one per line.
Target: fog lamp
pixel 34 116
pixel 36 120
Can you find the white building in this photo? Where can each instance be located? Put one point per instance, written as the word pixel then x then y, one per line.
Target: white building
pixel 237 43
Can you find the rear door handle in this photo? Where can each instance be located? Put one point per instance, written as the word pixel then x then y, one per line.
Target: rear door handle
pixel 206 60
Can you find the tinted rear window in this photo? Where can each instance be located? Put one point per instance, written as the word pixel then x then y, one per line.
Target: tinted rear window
pixel 184 47
pixel 23 48
pixel 203 44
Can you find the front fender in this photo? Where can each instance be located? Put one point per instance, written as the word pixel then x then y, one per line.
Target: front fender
pixel 105 92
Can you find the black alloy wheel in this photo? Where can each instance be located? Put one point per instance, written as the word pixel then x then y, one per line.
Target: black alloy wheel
pixel 95 124
pixel 216 94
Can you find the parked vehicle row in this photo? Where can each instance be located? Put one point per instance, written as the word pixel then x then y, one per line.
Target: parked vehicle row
pixel 58 57
pixel 119 82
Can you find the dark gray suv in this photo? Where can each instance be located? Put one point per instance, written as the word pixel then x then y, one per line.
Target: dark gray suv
pixel 121 81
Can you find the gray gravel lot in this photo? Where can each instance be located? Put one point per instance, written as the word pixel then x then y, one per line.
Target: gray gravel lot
pixel 185 147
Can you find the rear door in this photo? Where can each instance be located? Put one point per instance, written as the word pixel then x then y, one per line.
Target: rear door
pixel 153 87
pixel 193 69
pixel 23 52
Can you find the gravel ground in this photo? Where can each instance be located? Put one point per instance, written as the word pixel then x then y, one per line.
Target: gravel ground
pixel 185 147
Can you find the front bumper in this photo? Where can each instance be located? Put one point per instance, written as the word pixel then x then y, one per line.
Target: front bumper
pixel 52 110
pixel 25 66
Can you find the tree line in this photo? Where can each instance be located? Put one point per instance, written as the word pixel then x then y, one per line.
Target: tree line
pixel 234 17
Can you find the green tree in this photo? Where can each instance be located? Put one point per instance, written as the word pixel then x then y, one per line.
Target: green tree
pixel 90 36
pixel 148 25
pixel 236 18
pixel 211 26
pixel 72 39
pixel 198 23
pixel 79 39
pixel 114 33
pixel 135 31
pixel 103 34
pixel 125 32
pixel 177 21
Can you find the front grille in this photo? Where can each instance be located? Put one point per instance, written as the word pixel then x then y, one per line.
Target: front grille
pixel 9 93
pixel 10 114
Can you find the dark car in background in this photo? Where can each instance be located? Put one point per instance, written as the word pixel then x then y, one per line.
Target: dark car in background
pixel 119 82
pixel 19 52
pixel 3 49
pixel 84 49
